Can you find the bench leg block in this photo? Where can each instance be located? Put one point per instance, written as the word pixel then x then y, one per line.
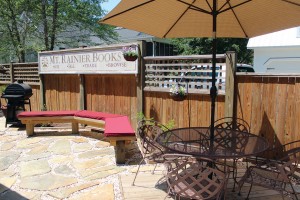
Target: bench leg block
pixel 29 129
pixel 75 128
pixel 120 152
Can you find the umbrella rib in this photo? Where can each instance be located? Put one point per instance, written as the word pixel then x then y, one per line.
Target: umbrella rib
pixel 224 5
pixel 231 8
pixel 189 5
pixel 209 5
pixel 128 10
pixel 195 7
pixel 297 4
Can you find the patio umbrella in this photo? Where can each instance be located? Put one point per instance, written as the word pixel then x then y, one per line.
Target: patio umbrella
pixel 205 18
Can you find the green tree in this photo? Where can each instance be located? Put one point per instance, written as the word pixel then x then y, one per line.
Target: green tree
pixel 34 25
pixel 71 22
pixel 189 46
pixel 14 27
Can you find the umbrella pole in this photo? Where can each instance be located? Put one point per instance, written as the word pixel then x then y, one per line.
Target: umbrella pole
pixel 213 89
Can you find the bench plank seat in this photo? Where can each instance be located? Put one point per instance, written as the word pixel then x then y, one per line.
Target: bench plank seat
pixel 117 128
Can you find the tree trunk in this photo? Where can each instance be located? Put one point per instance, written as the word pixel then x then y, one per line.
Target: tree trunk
pixel 45 23
pixel 54 24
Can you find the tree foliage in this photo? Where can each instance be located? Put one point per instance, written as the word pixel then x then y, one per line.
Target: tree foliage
pixel 34 25
pixel 190 46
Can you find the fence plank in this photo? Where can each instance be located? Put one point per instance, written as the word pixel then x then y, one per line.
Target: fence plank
pixel 290 113
pixel 297 109
pixel 256 107
pixel 281 94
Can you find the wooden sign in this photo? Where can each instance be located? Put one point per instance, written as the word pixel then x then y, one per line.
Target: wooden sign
pixel 108 60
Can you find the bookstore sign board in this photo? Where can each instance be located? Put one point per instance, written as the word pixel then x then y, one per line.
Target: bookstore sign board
pixel 86 61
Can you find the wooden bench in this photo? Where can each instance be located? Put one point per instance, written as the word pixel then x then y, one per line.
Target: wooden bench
pixel 117 128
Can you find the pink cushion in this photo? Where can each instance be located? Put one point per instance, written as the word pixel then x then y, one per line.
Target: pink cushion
pixel 47 113
pixel 118 126
pixel 95 115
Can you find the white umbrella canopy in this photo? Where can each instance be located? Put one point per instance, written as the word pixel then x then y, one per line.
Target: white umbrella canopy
pixel 193 18
pixel 206 18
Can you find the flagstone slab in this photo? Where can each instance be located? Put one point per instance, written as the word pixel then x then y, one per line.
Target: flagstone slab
pixel 80 140
pixel 9 138
pixel 82 147
pixel 88 164
pixel 35 167
pixel 102 172
pixel 6 183
pixel 61 159
pixel 101 192
pixel 7 146
pixel 61 147
pixel 66 137
pixel 64 170
pixel 39 149
pixel 7 173
pixel 102 144
pixel 8 158
pixel 46 182
pixel 95 153
pixel 35 157
pixel 28 142
pixel 66 192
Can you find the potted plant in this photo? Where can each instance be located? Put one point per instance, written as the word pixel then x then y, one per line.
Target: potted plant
pixel 129 53
pixel 178 93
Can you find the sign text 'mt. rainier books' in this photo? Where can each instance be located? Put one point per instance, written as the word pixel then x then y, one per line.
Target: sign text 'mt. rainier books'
pixel 86 61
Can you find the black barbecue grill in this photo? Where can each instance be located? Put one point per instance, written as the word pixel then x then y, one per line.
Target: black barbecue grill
pixel 17 95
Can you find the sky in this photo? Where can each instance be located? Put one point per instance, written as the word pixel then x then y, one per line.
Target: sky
pixel 110 4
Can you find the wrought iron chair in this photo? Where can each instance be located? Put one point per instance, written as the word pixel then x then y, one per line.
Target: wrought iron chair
pixel 230 123
pixel 280 174
pixel 151 151
pixel 275 153
pixel 193 178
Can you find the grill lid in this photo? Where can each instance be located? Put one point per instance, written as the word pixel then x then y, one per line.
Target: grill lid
pixel 17 90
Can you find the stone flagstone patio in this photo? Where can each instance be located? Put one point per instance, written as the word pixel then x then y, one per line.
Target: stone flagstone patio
pixel 57 167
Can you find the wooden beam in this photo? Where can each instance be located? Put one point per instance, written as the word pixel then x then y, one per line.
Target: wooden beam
pixel 229 87
pixel 82 102
pixel 11 72
pixel 42 93
pixel 141 76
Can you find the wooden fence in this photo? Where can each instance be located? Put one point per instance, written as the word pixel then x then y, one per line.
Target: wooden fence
pixel 105 93
pixel 269 103
pixel 193 73
pixel 27 72
pixel 61 92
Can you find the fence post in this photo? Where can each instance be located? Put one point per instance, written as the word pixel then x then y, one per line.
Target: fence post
pixel 11 73
pixel 42 93
pixel 82 103
pixel 229 87
pixel 141 77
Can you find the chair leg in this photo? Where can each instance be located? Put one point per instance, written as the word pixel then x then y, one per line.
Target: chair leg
pixel 154 168
pixel 137 171
pixel 234 174
pixel 249 191
pixel 294 191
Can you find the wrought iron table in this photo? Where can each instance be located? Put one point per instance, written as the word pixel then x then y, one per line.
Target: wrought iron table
pixel 227 144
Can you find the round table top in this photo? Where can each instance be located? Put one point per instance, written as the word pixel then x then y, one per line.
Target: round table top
pixel 195 141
